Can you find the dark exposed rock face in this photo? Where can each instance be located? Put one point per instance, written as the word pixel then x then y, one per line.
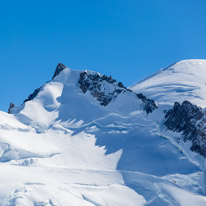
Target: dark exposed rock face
pixel 149 104
pixel 60 67
pixel 191 121
pixel 105 88
pixel 33 95
pixel 99 87
pixel 11 106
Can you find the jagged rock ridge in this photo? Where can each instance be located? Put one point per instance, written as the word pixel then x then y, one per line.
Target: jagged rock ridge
pixel 60 67
pixel 105 89
pixel 191 121
pixel 33 95
pixel 100 87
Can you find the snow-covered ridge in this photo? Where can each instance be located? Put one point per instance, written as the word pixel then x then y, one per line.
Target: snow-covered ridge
pixel 183 80
pixel 99 89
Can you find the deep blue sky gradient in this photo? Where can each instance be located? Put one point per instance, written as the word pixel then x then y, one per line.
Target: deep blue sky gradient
pixel 128 39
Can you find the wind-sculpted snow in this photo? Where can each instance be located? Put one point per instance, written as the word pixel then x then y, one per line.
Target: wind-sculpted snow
pixel 84 139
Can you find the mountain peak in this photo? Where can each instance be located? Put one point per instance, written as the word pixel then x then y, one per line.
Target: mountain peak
pixel 75 138
pixel 60 67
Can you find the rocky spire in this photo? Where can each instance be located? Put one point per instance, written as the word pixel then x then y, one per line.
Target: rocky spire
pixel 11 106
pixel 60 67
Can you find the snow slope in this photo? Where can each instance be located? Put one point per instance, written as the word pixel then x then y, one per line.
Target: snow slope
pixel 184 80
pixel 64 148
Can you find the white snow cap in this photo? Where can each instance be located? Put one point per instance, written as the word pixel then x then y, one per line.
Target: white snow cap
pixel 184 80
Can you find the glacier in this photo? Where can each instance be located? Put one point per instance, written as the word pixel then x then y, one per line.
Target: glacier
pixel 83 138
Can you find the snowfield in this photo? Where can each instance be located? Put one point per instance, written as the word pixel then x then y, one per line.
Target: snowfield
pixel 62 148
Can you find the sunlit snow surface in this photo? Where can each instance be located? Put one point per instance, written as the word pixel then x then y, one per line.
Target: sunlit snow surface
pixel 64 149
pixel 184 80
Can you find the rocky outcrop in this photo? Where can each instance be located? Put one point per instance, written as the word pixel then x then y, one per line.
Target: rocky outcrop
pixel 11 106
pixel 102 87
pixel 60 67
pixel 149 105
pixel 191 121
pixel 105 88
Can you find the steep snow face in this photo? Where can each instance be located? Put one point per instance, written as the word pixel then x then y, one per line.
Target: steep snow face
pixel 184 80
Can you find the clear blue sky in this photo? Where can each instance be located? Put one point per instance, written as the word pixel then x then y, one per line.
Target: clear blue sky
pixel 128 39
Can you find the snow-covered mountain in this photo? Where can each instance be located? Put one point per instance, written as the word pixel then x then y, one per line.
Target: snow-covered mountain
pixel 85 139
